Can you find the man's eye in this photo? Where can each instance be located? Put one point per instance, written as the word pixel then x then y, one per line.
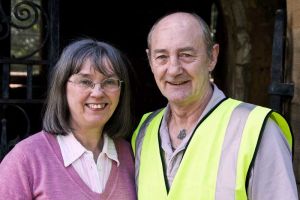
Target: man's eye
pixel 161 57
pixel 185 55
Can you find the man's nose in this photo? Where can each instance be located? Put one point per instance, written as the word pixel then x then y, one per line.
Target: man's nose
pixel 175 66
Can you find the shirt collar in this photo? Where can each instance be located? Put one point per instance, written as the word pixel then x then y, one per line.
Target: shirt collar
pixel 217 96
pixel 71 149
pixel 109 149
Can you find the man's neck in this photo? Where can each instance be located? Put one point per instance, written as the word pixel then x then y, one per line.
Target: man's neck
pixel 184 118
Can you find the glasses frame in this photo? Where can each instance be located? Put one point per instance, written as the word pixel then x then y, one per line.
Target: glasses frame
pixel 93 84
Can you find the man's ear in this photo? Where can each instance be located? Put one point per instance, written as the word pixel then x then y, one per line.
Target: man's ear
pixel 149 58
pixel 214 57
pixel 148 54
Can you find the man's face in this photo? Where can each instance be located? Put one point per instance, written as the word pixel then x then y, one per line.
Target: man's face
pixel 179 60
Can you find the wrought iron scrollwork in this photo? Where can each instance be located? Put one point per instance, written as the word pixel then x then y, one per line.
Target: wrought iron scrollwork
pixel 6 144
pixel 24 15
pixel 20 21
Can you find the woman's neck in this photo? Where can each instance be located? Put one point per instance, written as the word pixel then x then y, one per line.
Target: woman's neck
pixel 92 140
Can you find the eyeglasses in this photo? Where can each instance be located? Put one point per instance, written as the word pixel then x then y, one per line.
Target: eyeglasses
pixel 108 85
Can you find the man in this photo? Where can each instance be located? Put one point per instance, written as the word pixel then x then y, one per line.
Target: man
pixel 203 145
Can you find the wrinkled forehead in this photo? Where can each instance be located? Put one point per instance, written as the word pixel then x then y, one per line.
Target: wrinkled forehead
pixel 177 31
pixel 182 24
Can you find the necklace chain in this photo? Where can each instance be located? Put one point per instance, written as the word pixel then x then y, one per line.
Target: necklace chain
pixel 182 134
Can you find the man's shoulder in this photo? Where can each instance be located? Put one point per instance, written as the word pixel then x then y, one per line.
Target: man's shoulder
pixel 248 105
pixel 149 115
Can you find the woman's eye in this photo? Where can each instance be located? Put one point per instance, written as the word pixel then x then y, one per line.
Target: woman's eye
pixel 86 82
pixel 109 82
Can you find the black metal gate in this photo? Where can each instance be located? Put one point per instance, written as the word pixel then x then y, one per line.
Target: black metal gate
pixel 280 90
pixel 29 43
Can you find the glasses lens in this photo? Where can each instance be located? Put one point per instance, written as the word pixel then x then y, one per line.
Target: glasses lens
pixel 85 83
pixel 111 84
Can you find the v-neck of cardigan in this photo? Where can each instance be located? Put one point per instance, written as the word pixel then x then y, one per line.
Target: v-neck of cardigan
pixel 111 182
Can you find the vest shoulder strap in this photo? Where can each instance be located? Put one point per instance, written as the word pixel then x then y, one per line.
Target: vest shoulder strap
pixel 142 130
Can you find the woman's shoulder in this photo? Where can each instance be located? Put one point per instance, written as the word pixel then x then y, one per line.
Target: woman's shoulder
pixel 121 142
pixel 34 143
pixel 123 146
pixel 125 153
pixel 34 140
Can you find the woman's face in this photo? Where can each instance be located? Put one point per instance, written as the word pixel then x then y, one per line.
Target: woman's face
pixel 90 108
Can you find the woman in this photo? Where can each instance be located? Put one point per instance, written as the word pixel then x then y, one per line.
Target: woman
pixel 79 154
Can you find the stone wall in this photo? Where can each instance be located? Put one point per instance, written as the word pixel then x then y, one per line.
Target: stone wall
pixel 248 29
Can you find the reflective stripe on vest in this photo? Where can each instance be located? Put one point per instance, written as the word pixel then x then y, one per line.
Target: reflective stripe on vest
pixel 212 167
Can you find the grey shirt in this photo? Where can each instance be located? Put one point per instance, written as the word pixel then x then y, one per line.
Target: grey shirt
pixel 271 176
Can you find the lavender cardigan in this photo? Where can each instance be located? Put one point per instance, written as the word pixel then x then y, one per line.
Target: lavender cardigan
pixel 34 169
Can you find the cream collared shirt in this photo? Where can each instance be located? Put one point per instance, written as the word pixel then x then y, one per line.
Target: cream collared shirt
pixel 94 174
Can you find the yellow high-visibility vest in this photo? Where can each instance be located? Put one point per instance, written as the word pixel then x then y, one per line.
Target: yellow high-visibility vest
pixel 199 175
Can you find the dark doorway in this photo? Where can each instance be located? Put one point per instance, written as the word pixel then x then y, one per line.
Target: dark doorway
pixel 126 26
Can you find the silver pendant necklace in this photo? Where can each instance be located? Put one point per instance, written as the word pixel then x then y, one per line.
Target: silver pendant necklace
pixel 182 134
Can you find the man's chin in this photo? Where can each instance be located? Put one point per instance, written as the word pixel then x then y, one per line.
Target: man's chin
pixel 177 99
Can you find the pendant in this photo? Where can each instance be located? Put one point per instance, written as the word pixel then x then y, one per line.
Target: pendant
pixel 181 135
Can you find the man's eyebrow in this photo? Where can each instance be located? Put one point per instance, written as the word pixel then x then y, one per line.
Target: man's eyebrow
pixel 179 50
pixel 159 51
pixel 187 49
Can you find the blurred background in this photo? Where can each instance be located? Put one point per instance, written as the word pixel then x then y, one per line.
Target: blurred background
pixel 259 58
